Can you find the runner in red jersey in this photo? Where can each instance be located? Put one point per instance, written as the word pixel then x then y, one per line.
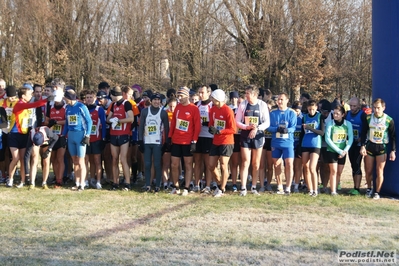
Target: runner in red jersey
pixel 222 125
pixel 183 134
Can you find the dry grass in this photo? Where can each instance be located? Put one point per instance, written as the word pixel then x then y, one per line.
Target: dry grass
pixel 61 227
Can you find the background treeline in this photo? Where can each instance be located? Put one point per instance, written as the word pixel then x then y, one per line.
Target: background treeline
pixel 319 46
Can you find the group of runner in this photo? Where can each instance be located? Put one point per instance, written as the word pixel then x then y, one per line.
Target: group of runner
pixel 252 139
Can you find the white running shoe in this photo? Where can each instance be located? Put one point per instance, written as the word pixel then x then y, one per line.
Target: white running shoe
pixel 21 185
pixel 98 185
pixel 219 193
pixel 243 192
pixel 175 191
pixel 255 192
pixel 185 192
pixel 216 191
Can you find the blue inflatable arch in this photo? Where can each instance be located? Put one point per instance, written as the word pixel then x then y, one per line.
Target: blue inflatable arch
pixel 385 65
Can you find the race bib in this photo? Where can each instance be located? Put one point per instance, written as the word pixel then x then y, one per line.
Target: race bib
pixel 311 125
pixel 377 134
pixel 339 136
pixel 151 130
pixel 118 126
pixel 281 135
pixel 93 130
pixel 204 119
pixel 72 120
pixel 57 129
pixel 220 124
pixel 296 135
pixel 355 133
pixel 251 120
pixel 268 134
pixel 182 125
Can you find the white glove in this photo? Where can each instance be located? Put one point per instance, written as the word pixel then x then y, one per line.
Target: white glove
pixel 114 121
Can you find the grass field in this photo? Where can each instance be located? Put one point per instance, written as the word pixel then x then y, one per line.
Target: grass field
pixel 62 227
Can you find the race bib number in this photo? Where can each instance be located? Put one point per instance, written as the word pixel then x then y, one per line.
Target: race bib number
pixel 355 133
pixel 151 130
pixel 377 135
pixel 220 124
pixel 281 135
pixel 339 136
pixel 182 125
pixel 57 129
pixel 251 120
pixel 93 130
pixel 296 135
pixel 118 126
pixel 72 120
pixel 204 119
pixel 311 125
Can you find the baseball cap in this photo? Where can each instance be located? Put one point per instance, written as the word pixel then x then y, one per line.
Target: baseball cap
pixel 38 138
pixel 101 95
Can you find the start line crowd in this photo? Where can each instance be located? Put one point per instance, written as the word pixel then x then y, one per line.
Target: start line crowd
pixel 192 133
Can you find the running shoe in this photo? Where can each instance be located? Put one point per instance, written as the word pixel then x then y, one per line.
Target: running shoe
pixel 114 187
pixel 206 190
pixel 314 194
pixel 31 187
pixel 254 191
pixel 57 185
pixel 157 189
pixel 93 183
pixel 21 185
pixel 196 189
pixel 243 192
pixel 262 189
pixel 354 192
pixel 98 185
pixel 339 187
pixel 334 194
pixel 3 180
pixel 219 194
pixel 175 191
pixel 376 196
pixel 287 193
pixel 296 190
pixel 280 191
pixel 86 184
pixel 127 187
pixel 147 190
pixel 44 186
pixel 9 183
pixel 269 188
pixel 185 192
pixel 235 189
pixel 369 193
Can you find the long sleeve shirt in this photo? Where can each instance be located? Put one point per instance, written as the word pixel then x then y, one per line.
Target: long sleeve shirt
pixel 77 119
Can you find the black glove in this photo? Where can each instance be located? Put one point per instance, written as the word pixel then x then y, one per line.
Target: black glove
pixel 205 124
pixel 193 147
pixel 141 146
pixel 86 140
pixel 50 98
pixel 282 130
pixel 52 122
pixel 213 130
pixel 46 153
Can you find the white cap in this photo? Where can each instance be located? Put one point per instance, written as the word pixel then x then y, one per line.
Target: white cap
pixel 219 95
